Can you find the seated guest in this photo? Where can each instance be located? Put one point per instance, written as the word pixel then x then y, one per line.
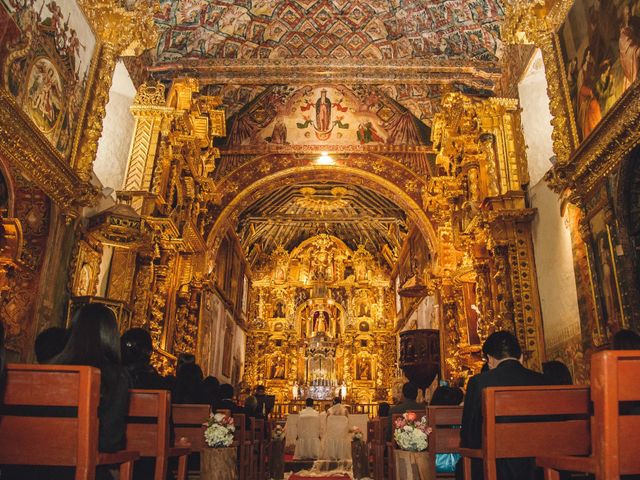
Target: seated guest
pixel 308 440
pixel 504 357
pixel 226 401
pixel 626 340
pixel 95 341
pixel 136 349
pixel 265 402
pixel 446 395
pixel 210 386
pixel 188 385
pixel 557 373
pixel 407 403
pixel 251 409
pixel 49 343
pixel 383 409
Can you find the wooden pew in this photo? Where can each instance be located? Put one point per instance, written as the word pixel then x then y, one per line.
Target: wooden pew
pixel 243 439
pixel 189 422
pixel 377 445
pixel 549 418
pixel 259 448
pixel 445 423
pixel 35 436
pixel 148 431
pixel 616 436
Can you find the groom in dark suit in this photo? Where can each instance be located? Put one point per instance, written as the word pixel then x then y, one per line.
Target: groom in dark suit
pixel 504 356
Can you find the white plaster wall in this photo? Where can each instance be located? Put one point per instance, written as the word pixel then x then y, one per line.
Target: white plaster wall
pixel 554 267
pixel 551 235
pixel 114 144
pixel 536 119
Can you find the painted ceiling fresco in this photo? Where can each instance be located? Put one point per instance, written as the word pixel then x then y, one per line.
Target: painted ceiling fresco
pixel 322 115
pixel 423 101
pixel 338 29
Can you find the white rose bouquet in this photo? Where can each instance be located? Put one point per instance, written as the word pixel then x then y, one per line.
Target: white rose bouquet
pixel 219 431
pixel 277 433
pixel 410 433
pixel 356 434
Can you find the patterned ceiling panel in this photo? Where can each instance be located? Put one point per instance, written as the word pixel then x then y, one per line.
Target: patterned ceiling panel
pixel 342 29
pixel 291 214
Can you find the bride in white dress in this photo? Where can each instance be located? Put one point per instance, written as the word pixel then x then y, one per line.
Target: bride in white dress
pixel 335 443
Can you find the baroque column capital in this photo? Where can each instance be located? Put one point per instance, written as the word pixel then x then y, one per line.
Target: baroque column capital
pixel 127 26
pixel 121 32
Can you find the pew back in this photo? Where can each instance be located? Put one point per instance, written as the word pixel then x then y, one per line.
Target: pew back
pixel 445 423
pixel 50 416
pixel 188 422
pixel 528 421
pixel 614 379
pixel 148 422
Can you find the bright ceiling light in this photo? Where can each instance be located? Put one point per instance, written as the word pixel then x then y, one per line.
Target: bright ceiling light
pixel 325 159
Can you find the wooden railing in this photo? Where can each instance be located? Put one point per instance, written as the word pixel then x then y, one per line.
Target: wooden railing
pixel 281 410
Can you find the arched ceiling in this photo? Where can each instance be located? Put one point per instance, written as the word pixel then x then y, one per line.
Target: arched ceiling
pixel 332 29
pixel 293 213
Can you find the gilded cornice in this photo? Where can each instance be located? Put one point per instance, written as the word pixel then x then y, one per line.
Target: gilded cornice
pixel 482 75
pixel 536 22
pixel 603 150
pixel 37 160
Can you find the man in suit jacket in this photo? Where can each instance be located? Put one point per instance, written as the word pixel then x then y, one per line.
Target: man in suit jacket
pixel 504 357
pixel 408 403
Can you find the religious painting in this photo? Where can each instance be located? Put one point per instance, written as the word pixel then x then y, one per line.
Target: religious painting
pixel 46 49
pixel 605 273
pixel 279 310
pixel 276 368
pixel 228 346
pixel 363 369
pixel 206 332
pixel 330 115
pixel 600 42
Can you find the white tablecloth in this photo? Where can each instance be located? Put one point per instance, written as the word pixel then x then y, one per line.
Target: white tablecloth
pixel 291 427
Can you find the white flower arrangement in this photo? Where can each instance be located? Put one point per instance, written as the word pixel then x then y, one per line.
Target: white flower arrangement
pixel 219 432
pixel 277 433
pixel 410 433
pixel 356 434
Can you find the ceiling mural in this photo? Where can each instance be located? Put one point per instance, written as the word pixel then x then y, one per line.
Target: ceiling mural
pixel 323 115
pixel 339 29
pixel 423 100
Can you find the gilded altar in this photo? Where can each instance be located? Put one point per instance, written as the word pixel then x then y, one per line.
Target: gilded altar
pixel 322 325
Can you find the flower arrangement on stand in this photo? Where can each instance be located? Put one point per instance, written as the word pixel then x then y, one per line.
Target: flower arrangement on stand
pixel 359 454
pixel 356 434
pixel 219 432
pixel 219 461
pixel 278 433
pixel 276 455
pixel 411 435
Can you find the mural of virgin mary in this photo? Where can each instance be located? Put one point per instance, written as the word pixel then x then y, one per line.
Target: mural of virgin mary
pixel 323 112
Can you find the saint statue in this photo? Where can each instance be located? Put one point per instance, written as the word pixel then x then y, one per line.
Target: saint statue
pixel 323 112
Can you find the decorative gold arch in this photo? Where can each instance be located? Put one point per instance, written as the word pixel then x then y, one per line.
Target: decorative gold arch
pixel 249 191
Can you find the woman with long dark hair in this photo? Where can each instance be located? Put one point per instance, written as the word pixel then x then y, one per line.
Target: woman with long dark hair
pixel 95 341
